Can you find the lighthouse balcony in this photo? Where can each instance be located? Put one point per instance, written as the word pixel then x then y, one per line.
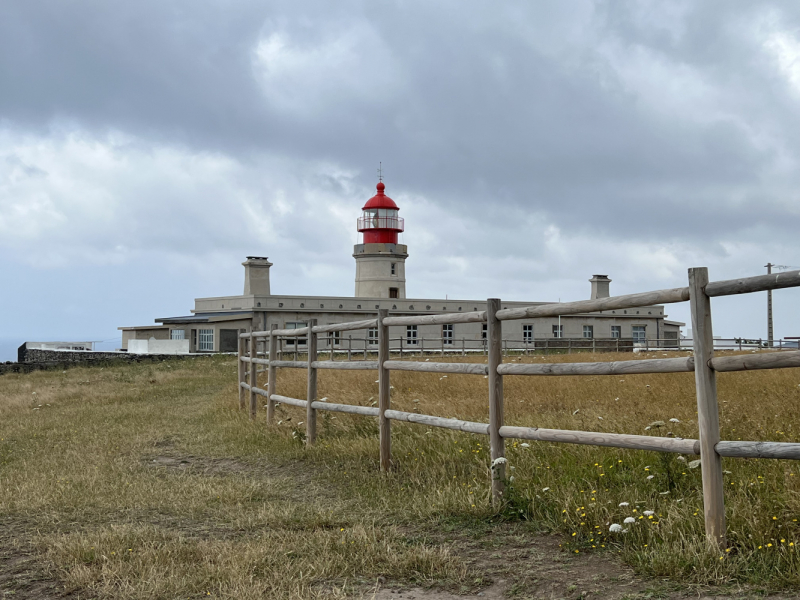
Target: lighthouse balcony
pixel 393 223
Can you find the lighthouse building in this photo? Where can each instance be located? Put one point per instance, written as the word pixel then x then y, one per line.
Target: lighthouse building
pixel 380 282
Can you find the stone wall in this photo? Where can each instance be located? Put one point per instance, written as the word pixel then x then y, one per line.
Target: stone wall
pixel 40 360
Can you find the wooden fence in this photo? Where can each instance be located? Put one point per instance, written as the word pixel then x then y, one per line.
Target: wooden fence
pixel 703 363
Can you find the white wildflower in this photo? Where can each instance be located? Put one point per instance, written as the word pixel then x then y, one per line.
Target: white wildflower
pixel 300 422
pixel 629 520
pixel 649 513
pixel 511 479
pixel 649 477
pixel 674 420
pixel 647 428
pixel 657 424
pixel 547 489
pixel 524 445
pixel 33 393
pixel 499 461
pixel 616 399
pixel 624 504
pixel 601 418
pixel 681 458
pixel 615 528
pixel 694 464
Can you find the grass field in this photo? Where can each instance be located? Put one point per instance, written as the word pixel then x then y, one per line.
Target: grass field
pixel 145 481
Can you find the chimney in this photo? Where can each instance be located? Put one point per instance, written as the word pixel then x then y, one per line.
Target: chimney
pixel 256 276
pixel 600 285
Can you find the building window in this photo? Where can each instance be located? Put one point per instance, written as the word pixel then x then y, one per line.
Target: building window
pixel 336 338
pixel 484 331
pixel 290 341
pixel 177 334
pixel 205 339
pixel 393 293
pixel 411 334
pixel 558 331
pixel 527 333
pixel 372 336
pixel 588 331
pixel 394 269
pixel 616 331
pixel 638 334
pixel 447 334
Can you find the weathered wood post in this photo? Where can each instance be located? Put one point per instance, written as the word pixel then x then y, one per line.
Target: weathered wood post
pixel 331 338
pixel 707 408
pixel 421 346
pixel 311 396
pixel 253 374
pixel 384 400
pixel 349 347
pixel 463 347
pixel 272 373
pixel 242 373
pixel 494 340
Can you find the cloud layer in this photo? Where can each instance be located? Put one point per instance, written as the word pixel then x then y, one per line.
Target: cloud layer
pixel 528 146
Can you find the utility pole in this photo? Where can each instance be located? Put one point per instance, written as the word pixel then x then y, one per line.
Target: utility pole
pixel 769 308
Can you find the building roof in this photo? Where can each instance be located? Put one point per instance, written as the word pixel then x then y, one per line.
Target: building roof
pixel 207 317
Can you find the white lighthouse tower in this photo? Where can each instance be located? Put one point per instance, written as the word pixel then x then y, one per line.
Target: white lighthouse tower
pixel 380 260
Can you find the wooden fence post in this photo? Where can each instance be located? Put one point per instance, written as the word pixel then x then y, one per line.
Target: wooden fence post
pixel 311 413
pixel 253 375
pixel 384 400
pixel 463 347
pixel 707 408
pixel 242 375
pixel 272 373
pixel 494 337
pixel 349 347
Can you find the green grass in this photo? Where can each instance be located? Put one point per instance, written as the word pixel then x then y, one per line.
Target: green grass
pixel 145 481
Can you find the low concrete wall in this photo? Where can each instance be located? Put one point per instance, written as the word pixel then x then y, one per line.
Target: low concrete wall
pixel 154 346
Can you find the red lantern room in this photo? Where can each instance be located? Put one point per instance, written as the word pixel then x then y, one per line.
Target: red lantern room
pixel 379 222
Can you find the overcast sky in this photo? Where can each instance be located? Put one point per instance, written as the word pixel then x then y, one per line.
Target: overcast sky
pixel 147 147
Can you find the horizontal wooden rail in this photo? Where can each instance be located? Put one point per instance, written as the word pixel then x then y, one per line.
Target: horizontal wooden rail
pixel 369 411
pixel 468 317
pixel 289 364
pixel 255 361
pixel 759 283
pixel 289 332
pixel 612 440
pixel 258 391
pixel 752 362
pixel 586 306
pixel 622 367
pixel 432 367
pixel 758 449
pixel 350 326
pixel 288 400
pixel 356 365
pixel 467 426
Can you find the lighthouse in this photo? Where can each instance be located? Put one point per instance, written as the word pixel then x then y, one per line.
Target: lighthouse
pixel 380 260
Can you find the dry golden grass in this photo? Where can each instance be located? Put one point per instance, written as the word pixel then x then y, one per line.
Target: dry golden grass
pixel 145 481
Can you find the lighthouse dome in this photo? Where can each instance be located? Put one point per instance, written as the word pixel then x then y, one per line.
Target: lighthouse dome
pixel 380 200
